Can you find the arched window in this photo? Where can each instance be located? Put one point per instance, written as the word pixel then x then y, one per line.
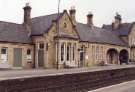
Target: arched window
pixel 65 25
pixel 28 51
pixel 29 55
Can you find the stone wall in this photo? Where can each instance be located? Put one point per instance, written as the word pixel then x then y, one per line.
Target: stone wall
pixel 79 82
pixel 91 52
pixel 10 50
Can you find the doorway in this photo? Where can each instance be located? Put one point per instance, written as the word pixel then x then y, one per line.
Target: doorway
pixel 17 57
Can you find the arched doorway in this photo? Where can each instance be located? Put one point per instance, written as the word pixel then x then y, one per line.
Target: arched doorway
pixel 112 56
pixel 123 56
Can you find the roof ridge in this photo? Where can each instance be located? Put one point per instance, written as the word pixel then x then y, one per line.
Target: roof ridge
pixel 10 22
pixel 45 15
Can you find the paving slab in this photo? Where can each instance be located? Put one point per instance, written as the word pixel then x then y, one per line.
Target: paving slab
pixel 15 74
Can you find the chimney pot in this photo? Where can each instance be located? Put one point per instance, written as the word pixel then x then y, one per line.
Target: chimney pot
pixel 27 4
pixel 117 21
pixel 72 12
pixel 27 17
pixel 90 19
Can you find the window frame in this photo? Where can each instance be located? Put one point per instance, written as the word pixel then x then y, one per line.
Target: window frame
pixel 5 55
pixel 29 55
pixel 41 45
pixel 62 52
pixel 65 25
pixel 4 48
pixel 68 52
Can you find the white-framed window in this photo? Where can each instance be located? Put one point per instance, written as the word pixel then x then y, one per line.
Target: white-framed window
pixel 4 50
pixel 4 54
pixel 74 50
pixel 62 52
pixel 102 51
pixel 93 52
pixel 97 53
pixel 133 41
pixel 68 52
pixel 41 46
pixel 29 54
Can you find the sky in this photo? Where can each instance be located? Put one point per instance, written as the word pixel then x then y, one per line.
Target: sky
pixel 103 10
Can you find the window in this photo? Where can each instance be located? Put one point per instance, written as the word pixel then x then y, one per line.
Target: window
pixel 4 50
pixel 4 55
pixel 133 41
pixel 97 53
pixel 81 56
pixel 29 57
pixel 74 47
pixel 102 57
pixel 68 53
pixel 28 52
pixel 41 46
pixel 93 50
pixel 65 25
pixel 62 52
pixel 46 46
pixel 82 53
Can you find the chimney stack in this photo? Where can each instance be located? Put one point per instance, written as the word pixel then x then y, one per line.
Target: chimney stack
pixel 117 21
pixel 90 19
pixel 72 12
pixel 27 17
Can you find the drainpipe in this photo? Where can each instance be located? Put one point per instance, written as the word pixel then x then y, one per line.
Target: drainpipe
pixel 58 34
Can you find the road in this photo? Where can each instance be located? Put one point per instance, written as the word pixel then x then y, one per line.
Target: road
pixel 123 87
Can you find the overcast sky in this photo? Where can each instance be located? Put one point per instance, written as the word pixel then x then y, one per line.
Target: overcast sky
pixel 103 10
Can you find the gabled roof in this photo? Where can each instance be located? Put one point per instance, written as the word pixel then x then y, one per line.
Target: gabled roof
pixel 42 24
pixel 124 29
pixel 97 35
pixel 64 34
pixel 11 32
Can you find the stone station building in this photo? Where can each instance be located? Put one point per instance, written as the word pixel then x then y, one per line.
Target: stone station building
pixel 37 43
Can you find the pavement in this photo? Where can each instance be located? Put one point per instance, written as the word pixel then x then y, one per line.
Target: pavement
pixel 16 74
pixel 122 87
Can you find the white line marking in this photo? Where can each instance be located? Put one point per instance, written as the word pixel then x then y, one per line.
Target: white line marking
pixel 100 89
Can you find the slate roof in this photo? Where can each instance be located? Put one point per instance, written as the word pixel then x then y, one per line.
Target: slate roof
pixel 122 31
pixel 98 35
pixel 11 32
pixel 42 24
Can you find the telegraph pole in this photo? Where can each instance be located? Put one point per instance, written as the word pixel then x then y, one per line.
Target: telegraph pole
pixel 58 34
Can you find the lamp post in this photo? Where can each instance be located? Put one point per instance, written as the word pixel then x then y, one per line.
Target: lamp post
pixel 58 34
